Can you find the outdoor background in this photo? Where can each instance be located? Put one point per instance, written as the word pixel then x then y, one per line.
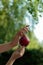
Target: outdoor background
pixel 15 14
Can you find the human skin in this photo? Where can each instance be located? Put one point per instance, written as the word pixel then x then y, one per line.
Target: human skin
pixel 17 54
pixel 7 46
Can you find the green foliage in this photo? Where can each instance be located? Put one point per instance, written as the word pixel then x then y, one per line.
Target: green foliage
pixel 13 13
pixel 34 43
pixel 33 54
pixel 34 6
pixel 12 18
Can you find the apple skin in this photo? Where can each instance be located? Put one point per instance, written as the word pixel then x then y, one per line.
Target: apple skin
pixel 24 41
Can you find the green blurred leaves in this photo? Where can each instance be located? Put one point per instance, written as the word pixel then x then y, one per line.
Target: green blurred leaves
pixel 13 13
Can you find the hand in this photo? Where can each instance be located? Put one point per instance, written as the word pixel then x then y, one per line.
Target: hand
pixel 23 31
pixel 19 34
pixel 18 53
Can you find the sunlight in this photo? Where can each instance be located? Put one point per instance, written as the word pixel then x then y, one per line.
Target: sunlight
pixel 39 29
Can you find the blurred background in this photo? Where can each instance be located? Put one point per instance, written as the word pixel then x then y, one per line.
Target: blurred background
pixel 15 14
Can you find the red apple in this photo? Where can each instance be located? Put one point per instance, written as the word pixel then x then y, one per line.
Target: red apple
pixel 24 41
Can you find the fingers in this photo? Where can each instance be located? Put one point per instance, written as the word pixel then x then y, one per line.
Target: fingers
pixel 21 50
pixel 24 30
pixel 26 26
pixel 18 52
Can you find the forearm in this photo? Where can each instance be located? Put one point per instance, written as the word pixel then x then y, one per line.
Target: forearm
pixel 7 46
pixel 10 61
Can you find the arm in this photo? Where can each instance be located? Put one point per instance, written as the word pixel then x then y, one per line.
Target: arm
pixel 17 54
pixel 7 46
